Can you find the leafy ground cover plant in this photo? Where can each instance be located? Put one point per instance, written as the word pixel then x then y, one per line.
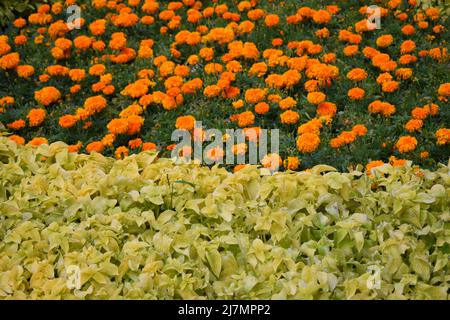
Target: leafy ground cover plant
pixel 143 227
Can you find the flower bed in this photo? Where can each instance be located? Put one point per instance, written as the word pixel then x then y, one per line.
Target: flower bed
pixel 146 228
pixel 341 93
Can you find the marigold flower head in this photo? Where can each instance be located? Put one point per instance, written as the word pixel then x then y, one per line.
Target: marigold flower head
pixel 262 108
pixel 68 121
pixel 432 109
pixel 291 163
pixel 420 113
pixel 326 109
pixel 135 143
pixel 404 73
pixel 357 74
pixel 356 93
pixel 118 126
pixel 37 141
pixel 147 146
pixel 316 97
pixel 255 95
pixel 16 125
pixel 308 142
pixel 406 144
pixel 245 119
pixel 385 41
pixel 442 136
pixel 321 17
pixel 36 117
pixel 95 104
pixel 215 154
pixel 17 139
pixel 185 122
pixel 384 108
pixel 272 161
pixel 95 146
pixel 108 140
pixel 389 86
pixel 372 165
pixel 444 89
pixel 289 117
pixel 359 130
pixel 135 124
pixel 25 71
pixel 9 61
pixel 287 103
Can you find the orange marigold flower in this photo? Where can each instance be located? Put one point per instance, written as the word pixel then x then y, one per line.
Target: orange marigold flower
pixel 291 163
pixel 321 17
pixel 17 139
pixel 271 20
pixel 185 123
pixel 258 69
pixel 47 95
pixel 404 73
pixel 134 124
pixel 147 146
pixel 36 117
pixel 287 103
pixel 68 121
pixel 272 161
pixel 37 141
pixel 383 77
pixel 77 75
pixel 262 108
pixel 312 126
pixel 96 146
pixel 289 117
pixel 20 23
pixel 326 109
pixel 95 104
pixel 351 50
pixel 413 125
pixel 135 143
pixel 207 53
pixel 82 42
pixel 407 46
pixel 389 86
pixel 384 108
pixel 308 142
pixel 442 136
pixel 25 71
pixel 406 144
pixel 316 97
pixel 97 70
pixel 444 89
pixel 9 61
pixel 420 113
pixel 433 109
pixel 357 74
pixel 255 95
pixel 356 93
pixel 385 41
pixel 118 126
pixel 424 154
pixel 74 147
pixel 359 130
pixel 245 119
pixel 372 165
pixel 16 125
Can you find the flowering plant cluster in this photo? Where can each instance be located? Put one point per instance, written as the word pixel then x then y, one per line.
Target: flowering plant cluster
pixel 125 74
